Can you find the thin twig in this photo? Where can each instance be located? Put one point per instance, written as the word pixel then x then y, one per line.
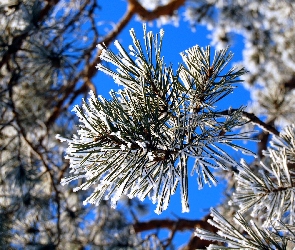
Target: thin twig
pixel 254 119
pixel 266 127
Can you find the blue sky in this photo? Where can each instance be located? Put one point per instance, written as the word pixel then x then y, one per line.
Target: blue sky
pixel 176 39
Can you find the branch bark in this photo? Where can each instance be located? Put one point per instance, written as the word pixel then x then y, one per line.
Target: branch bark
pixel 182 225
pixel 164 10
pixel 267 127
pixel 179 225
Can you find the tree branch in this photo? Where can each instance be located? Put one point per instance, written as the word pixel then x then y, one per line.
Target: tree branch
pixel 89 72
pixel 17 41
pixel 22 132
pixel 164 10
pixel 265 126
pixel 181 225
pixel 255 120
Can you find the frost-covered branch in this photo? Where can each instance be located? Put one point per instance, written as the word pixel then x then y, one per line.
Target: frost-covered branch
pixel 133 8
pixel 245 235
pixel 266 193
pixel 255 120
pixel 139 142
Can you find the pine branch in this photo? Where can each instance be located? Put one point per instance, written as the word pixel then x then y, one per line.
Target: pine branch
pixel 149 129
pixel 242 234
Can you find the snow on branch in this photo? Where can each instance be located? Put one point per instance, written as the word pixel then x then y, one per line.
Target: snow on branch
pixel 243 235
pixel 267 193
pixel 139 142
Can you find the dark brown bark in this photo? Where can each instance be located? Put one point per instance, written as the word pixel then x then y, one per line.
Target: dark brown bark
pixel 179 225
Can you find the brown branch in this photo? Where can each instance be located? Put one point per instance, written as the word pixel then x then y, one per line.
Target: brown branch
pixel 164 10
pixel 265 126
pixel 134 8
pixel 91 70
pixel 263 138
pixel 179 225
pixel 171 236
pixel 48 170
pixel 22 132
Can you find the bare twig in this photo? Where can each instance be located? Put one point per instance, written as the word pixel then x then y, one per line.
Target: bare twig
pixel 163 10
pixel 265 126
pixel 182 225
pixel 171 235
